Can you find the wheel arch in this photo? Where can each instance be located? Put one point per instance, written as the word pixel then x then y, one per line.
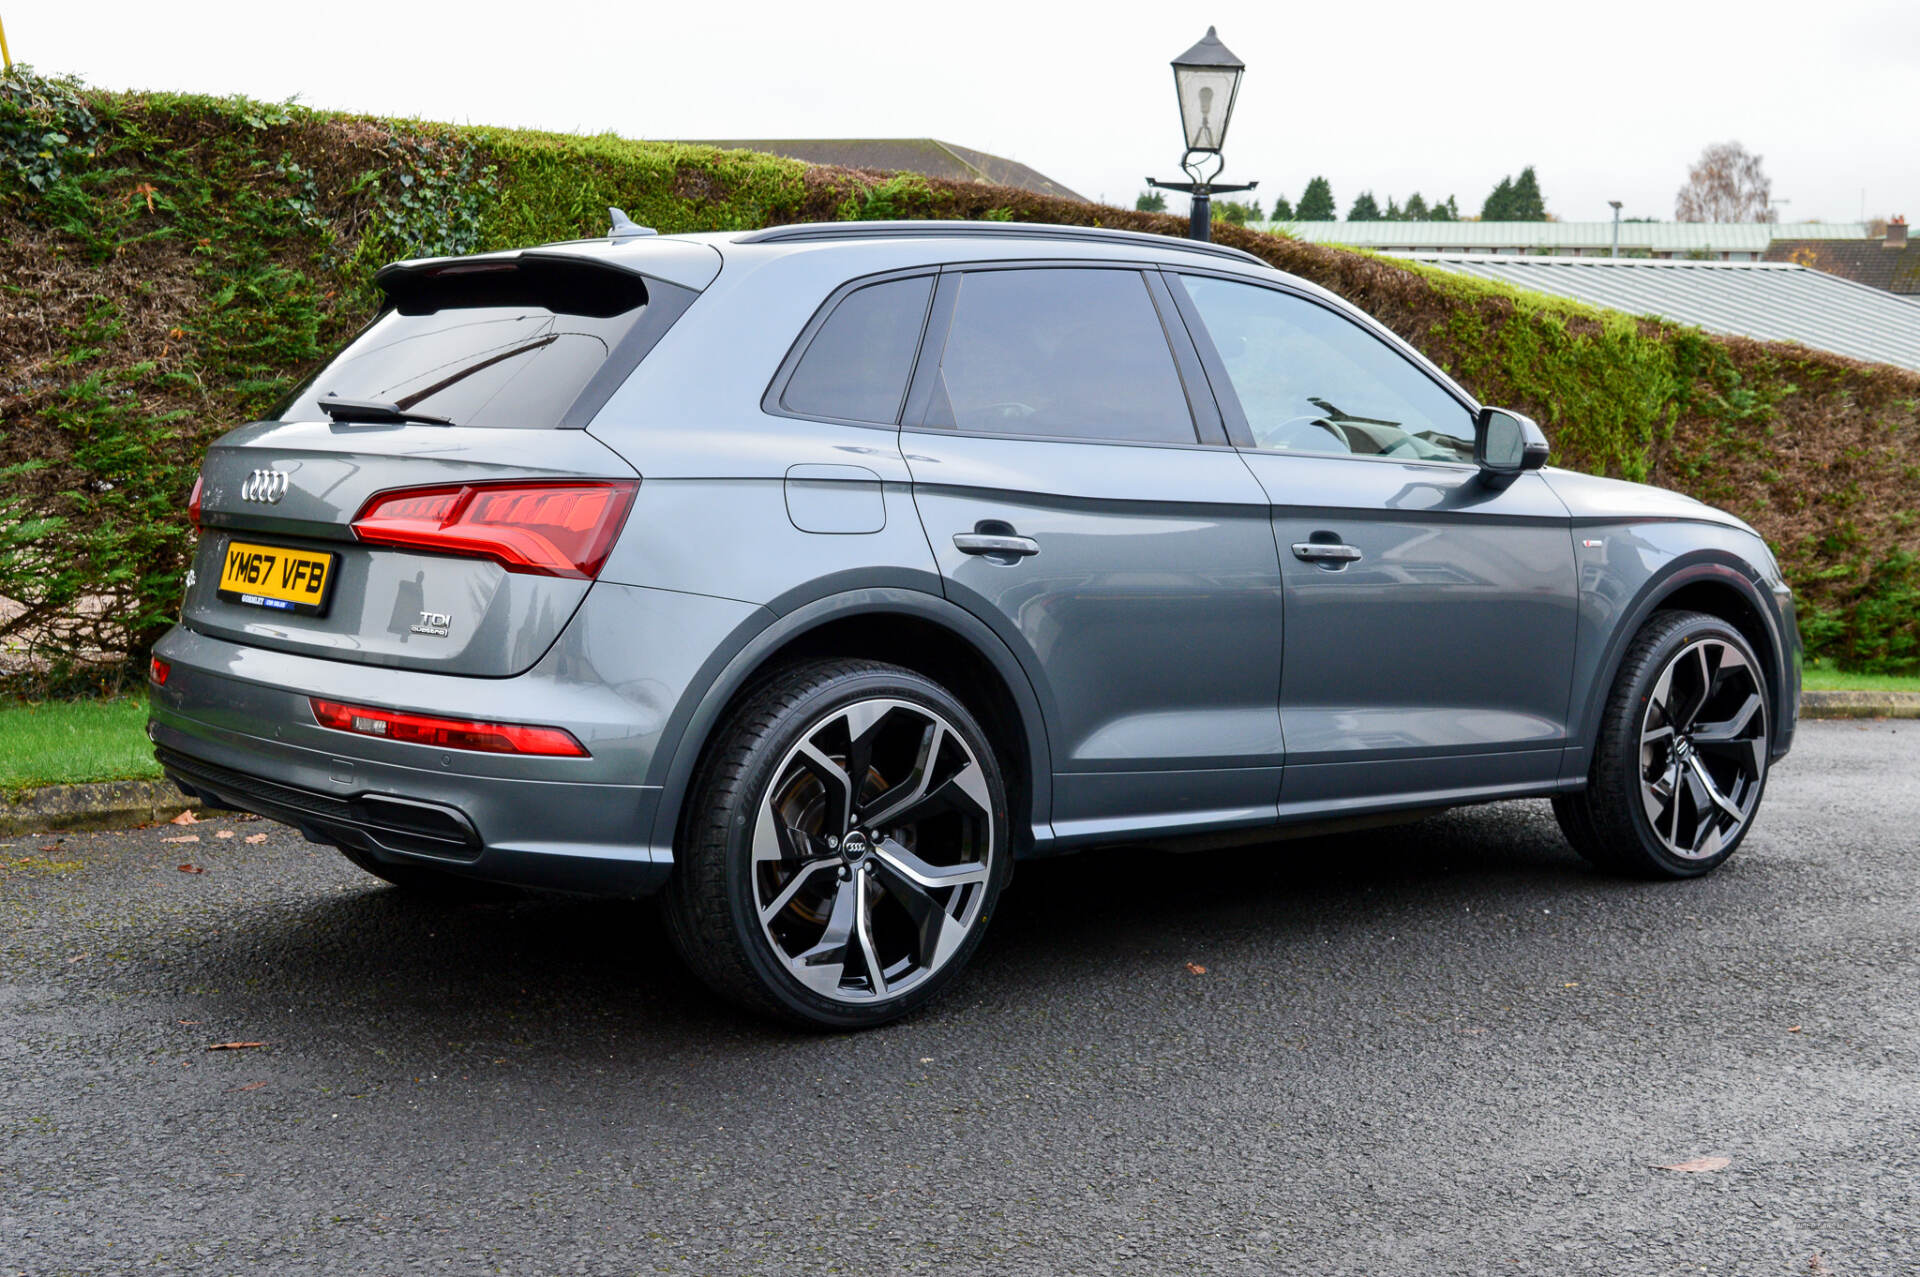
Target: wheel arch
pixel 923 632
pixel 1713 583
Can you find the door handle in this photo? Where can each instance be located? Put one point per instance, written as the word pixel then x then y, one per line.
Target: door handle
pixel 995 543
pixel 1317 552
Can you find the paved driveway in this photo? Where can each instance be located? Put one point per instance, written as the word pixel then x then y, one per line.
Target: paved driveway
pixel 1447 1048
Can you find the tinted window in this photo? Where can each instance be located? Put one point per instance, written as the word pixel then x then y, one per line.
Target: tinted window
pixel 1310 380
pixel 1061 352
pixel 495 345
pixel 857 364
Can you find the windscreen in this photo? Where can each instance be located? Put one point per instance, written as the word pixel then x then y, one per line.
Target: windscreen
pixel 508 347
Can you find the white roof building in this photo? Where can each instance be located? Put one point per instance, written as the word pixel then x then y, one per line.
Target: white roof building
pixel 1773 301
pixel 1714 241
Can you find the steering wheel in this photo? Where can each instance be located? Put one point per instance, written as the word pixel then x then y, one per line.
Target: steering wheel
pixel 1303 434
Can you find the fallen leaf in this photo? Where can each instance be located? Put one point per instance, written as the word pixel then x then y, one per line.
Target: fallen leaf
pixel 233 1046
pixel 80 957
pixel 186 1021
pixel 1196 968
pixel 1571 984
pixel 1698 1164
pixel 224 833
pixel 185 818
pixel 183 838
pixel 251 1086
pixel 256 837
pixel 1793 1028
pixel 190 869
pixel 52 846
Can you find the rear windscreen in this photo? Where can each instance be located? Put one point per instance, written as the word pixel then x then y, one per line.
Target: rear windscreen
pixel 507 347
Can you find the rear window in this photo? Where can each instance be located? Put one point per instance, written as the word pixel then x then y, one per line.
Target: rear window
pixel 483 344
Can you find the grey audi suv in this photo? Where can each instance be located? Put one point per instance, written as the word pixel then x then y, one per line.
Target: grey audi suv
pixel 810 577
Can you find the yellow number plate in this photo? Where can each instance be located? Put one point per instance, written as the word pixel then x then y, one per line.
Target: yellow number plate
pixel 276 577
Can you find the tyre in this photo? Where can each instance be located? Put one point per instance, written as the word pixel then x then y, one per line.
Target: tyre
pixel 846 837
pixel 1681 759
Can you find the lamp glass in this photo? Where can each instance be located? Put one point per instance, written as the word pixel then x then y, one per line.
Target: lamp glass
pixel 1206 103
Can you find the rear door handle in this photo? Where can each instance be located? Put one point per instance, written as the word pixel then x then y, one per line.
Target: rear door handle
pixel 1317 552
pixel 993 543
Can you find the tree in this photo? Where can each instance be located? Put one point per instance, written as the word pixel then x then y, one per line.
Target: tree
pixel 1364 208
pixel 1516 199
pixel 1239 214
pixel 1498 202
pixel 1316 202
pixel 1282 211
pixel 1416 209
pixel 1447 212
pixel 1150 202
pixel 1726 184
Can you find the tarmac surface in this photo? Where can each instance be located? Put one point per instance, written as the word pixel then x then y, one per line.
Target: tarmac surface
pixel 1443 1048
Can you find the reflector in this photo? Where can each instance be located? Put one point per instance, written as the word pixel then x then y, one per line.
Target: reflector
pixel 446 733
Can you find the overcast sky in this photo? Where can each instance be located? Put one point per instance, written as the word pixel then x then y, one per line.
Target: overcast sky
pixel 1607 101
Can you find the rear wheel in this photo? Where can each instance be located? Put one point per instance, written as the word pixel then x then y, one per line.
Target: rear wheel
pixel 1681 759
pixel 847 838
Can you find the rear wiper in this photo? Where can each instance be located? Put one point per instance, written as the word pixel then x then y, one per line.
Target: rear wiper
pixel 376 410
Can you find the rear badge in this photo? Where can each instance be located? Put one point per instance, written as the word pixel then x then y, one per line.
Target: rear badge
pixel 433 623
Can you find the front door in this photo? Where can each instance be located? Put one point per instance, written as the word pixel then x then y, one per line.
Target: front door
pixel 1428 652
pixel 1072 503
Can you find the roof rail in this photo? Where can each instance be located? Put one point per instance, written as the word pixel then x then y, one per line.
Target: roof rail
pixel 936 229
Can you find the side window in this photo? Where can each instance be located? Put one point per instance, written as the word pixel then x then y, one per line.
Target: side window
pixel 1075 353
pixel 1310 380
pixel 856 366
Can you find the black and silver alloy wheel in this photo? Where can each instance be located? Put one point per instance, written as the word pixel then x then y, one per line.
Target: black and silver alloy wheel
pixel 872 850
pixel 849 839
pixel 1703 749
pixel 1680 760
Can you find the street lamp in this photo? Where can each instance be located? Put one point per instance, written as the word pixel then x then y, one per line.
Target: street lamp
pixel 1207 80
pixel 1616 228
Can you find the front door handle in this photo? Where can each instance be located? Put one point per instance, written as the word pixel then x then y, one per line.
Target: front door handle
pixel 1317 552
pixel 995 543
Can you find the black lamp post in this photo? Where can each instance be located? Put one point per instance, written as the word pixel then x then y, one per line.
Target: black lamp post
pixel 1207 79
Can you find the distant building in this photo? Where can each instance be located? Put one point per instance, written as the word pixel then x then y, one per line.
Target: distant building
pixel 1709 241
pixel 924 155
pixel 1887 262
pixel 1773 301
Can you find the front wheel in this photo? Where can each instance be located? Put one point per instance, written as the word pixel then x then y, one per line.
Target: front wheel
pixel 1681 758
pixel 847 837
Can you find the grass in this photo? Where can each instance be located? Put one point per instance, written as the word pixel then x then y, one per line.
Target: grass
pixel 1817 678
pixel 71 742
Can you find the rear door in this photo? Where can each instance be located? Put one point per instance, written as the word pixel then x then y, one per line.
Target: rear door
pixel 1076 503
pixel 475 539
pixel 1430 616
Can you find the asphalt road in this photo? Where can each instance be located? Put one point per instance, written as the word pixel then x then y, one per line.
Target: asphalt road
pixel 1447 1048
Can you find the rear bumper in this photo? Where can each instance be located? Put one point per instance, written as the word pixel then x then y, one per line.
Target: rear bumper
pixel 233 725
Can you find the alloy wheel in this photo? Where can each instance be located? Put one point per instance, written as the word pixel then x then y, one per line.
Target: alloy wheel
pixel 872 850
pixel 1703 749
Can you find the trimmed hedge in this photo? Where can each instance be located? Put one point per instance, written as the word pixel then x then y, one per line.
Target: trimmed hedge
pixel 170 264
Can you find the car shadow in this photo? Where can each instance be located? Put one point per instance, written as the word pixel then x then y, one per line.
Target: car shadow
pixel 552 973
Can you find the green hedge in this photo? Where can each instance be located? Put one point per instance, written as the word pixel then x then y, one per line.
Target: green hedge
pixel 170 264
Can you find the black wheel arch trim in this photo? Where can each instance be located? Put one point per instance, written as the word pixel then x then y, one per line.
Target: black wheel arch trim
pixel 736 662
pixel 1715 567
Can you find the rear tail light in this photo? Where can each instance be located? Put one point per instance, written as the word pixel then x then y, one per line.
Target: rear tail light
pixel 446 733
pixel 193 501
pixel 157 670
pixel 550 529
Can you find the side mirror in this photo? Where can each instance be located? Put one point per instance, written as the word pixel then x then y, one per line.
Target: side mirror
pixel 1505 444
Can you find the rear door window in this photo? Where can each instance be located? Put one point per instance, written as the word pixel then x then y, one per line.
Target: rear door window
pixel 486 349
pixel 1062 352
pixel 857 365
